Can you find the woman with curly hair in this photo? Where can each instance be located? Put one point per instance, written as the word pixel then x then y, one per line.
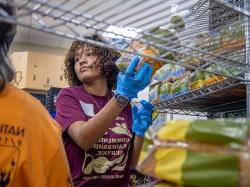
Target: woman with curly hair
pixel 101 138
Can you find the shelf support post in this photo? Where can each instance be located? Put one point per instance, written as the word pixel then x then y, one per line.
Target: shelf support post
pixel 247 34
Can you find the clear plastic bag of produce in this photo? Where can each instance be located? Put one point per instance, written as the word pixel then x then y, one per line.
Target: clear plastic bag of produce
pixel 196 80
pixel 200 153
pixel 165 91
pixel 123 62
pixel 154 93
pixel 155 43
pixel 169 72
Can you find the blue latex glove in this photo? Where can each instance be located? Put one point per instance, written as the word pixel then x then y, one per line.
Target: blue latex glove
pixel 129 83
pixel 142 118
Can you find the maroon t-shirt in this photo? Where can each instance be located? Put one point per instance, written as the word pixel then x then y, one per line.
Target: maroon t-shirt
pixel 107 163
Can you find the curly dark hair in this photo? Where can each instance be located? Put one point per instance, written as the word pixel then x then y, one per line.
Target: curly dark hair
pixel 7 33
pixel 107 58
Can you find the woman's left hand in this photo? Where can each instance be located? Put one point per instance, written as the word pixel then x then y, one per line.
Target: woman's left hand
pixel 142 118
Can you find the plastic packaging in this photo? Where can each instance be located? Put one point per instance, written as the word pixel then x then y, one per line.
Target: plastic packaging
pixel 197 80
pixel 154 93
pixel 165 91
pixel 202 153
pixel 123 62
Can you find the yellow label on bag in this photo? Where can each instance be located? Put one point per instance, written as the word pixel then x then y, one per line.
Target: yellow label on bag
pixel 169 162
pixel 174 130
pixel 196 84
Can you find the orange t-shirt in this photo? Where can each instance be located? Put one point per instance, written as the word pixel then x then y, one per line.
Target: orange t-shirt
pixel 31 149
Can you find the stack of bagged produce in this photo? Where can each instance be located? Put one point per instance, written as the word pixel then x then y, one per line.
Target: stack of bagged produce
pixel 173 80
pixel 154 43
pixel 200 153
pixel 233 37
pixel 169 81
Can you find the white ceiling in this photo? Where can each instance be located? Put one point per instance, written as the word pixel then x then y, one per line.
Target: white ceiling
pixel 142 14
pixel 25 35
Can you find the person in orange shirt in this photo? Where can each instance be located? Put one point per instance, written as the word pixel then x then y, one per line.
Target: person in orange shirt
pixel 31 149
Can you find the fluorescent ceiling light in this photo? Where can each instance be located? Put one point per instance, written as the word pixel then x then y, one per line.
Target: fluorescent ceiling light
pixel 118 32
pixel 174 8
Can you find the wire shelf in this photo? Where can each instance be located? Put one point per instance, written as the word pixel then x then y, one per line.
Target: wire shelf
pixel 227 95
pixel 182 112
pixel 213 40
pixel 220 96
pixel 76 19
pixel 240 113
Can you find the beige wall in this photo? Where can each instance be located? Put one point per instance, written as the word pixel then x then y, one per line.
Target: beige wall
pixel 38 67
pixel 40 71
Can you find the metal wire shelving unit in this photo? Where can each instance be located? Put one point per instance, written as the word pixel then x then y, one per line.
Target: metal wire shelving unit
pixel 76 19
pixel 226 98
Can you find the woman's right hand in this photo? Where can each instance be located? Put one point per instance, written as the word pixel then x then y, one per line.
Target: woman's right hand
pixel 129 83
